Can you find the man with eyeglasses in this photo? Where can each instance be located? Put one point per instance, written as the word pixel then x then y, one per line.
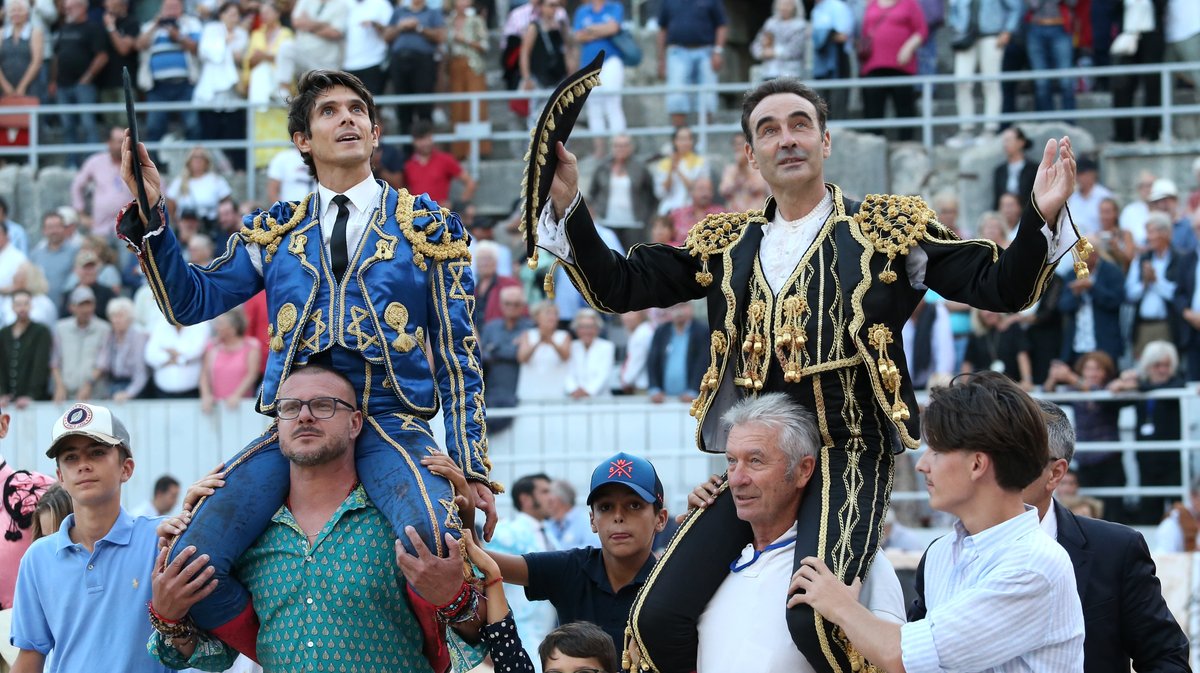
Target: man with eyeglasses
pixel 323 573
pixel 383 296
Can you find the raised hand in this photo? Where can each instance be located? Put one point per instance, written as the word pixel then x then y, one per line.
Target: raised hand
pixel 1055 181
pixel 150 174
pixel 566 181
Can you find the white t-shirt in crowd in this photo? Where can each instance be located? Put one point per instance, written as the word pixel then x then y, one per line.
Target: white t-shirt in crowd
pixel 294 181
pixel 744 628
pixel 364 46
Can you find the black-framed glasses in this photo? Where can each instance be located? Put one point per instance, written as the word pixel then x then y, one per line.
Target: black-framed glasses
pixel 578 670
pixel 287 408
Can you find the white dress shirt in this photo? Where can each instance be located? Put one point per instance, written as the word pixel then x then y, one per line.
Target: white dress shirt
pixel 1002 600
pixel 591 368
pixel 1152 301
pixel 364 201
pixel 183 373
pixel 637 350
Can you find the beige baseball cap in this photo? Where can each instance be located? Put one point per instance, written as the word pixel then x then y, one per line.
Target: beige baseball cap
pixel 89 421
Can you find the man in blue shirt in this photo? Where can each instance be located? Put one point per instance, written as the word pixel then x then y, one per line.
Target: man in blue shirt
pixel 691 44
pixel 80 591
pixel 833 28
pixel 678 356
pixel 170 42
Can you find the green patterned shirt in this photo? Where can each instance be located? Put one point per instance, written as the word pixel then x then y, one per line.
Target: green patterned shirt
pixel 339 606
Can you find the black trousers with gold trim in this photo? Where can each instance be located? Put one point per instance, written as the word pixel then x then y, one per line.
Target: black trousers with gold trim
pixel 840 520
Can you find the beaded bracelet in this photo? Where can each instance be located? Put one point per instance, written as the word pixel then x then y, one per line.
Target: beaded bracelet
pixel 170 628
pixel 463 603
pixel 468 611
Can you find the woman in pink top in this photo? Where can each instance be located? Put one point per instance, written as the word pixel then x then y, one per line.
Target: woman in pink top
pixel 231 363
pixel 891 32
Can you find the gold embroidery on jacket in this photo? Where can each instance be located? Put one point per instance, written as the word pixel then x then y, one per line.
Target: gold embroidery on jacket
pixel 894 225
pixel 285 320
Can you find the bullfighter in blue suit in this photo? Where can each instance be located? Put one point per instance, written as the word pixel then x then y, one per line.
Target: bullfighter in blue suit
pixel 360 278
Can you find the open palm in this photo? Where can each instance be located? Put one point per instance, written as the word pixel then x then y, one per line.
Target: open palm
pixel 1055 181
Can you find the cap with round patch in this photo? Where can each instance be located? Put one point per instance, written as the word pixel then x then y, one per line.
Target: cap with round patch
pixel 87 420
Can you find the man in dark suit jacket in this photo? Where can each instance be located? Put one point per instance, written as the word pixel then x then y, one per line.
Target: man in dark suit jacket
pixel 1016 173
pixel 680 327
pixel 1104 292
pixel 1189 313
pixel 1126 618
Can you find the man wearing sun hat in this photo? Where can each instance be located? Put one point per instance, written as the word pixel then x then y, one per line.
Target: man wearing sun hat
pixel 96 570
pixel 599 585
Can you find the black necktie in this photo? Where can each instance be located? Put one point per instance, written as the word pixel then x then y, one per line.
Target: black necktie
pixel 338 254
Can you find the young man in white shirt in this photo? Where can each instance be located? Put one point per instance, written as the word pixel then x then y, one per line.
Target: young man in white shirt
pixel 1000 593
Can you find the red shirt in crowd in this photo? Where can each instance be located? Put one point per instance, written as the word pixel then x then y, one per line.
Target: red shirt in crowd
pixel 432 176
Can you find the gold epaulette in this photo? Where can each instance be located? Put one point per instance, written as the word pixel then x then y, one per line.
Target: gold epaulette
pixel 267 232
pixel 714 235
pixel 436 239
pixel 894 225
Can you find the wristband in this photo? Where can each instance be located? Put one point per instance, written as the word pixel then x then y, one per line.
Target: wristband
pixel 495 580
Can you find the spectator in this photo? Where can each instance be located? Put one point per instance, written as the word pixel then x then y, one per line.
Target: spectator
pixel 678 356
pixel 742 186
pixel 106 255
pixel 991 228
pixel 1015 175
pixel 1085 202
pixel 198 188
pixel 1177 531
pixel 91 450
pixel 467 46
pixel 782 44
pixel 1010 210
pixel 87 272
pixel 929 345
pixel 982 30
pixel 568 525
pixel 893 29
pixel 1150 286
pixel 78 340
pixel 221 49
pixel 320 39
pixel 52 508
pixel 1183 36
pixel 231 363
pixel 691 50
pixel 176 355
pixel 633 377
pixel 431 171
pixel 264 87
pixel 945 204
pixel 100 178
pixel 525 533
pixel 16 232
pixel 515 26
pixel 387 161
pixel 1187 304
pixel 663 230
pixel 1044 328
pixel 1092 308
pixel 544 50
pixel 543 353
pixel 1116 243
pixel 366 49
pixel 80 52
pixel 699 206
pixel 25 348
pixel 590 365
pixel 596 21
pixel 481 229
pixel 1095 421
pixel 163 501
pixel 1133 215
pixel 122 359
pixel 1048 45
pixel 169 43
pixel 488 283
pixel 674 174
pixel 288 177
pixel 998 343
pixel 833 33
pixel 1157 421
pixel 31 279
pixel 1164 198
pixel 1193 200
pixel 22 52
pixel 500 341
pixel 11 261
pixel 229 220
pixel 622 192
pixel 1148 30
pixel 122 30
pixel 415 32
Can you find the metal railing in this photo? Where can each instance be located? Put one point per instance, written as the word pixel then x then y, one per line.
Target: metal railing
pixel 475 130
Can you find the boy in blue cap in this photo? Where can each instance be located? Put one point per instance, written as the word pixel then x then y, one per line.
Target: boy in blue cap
pixel 599 585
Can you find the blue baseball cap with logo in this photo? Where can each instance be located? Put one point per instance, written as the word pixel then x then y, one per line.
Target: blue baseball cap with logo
pixel 629 470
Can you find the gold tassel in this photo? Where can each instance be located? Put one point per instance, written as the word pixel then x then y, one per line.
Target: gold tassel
pixel 548 283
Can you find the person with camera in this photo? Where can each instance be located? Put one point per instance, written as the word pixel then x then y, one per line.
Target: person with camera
pixel 169 73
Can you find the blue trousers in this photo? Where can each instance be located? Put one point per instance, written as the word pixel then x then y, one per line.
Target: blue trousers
pixel 388 457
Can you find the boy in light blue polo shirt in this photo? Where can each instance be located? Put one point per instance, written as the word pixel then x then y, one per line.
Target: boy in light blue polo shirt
pixel 81 594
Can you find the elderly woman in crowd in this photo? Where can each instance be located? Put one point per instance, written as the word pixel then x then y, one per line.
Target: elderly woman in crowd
pixel 122 358
pixel 592 358
pixel 21 51
pixel 622 193
pixel 231 363
pixel 1157 420
pixel 543 354
pixel 489 282
pixel 1114 242
pixel 32 279
pixel 784 42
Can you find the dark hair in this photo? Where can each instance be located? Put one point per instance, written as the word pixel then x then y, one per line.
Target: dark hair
pixel 782 85
pixel 681 129
pixel 1026 143
pixel 3 205
pixel 526 486
pixel 237 320
pixel 989 413
pixel 226 5
pixel 55 500
pixel 311 85
pixel 322 368
pixel 422 128
pixel 22 291
pixel 1101 358
pixel 165 483
pixel 582 640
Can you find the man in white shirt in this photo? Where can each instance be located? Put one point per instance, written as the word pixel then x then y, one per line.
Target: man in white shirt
pixel 1085 202
pixel 176 353
pixel 771 455
pixel 1000 593
pixel 366 50
pixel 288 177
pixel 1134 214
pixel 11 260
